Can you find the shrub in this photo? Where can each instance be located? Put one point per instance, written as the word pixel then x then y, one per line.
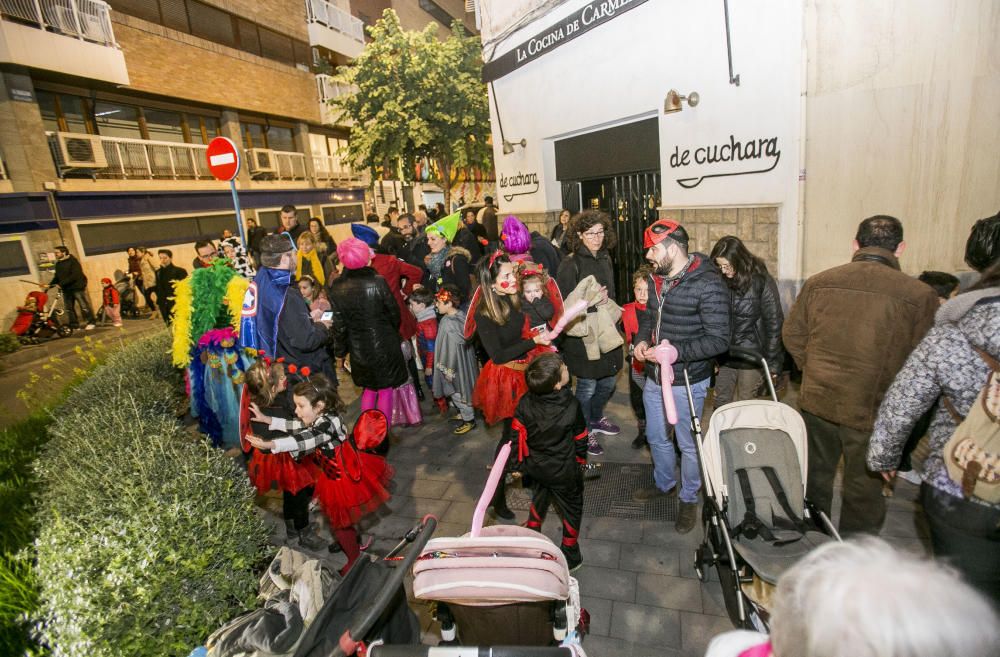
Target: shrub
pixel 148 539
pixel 9 343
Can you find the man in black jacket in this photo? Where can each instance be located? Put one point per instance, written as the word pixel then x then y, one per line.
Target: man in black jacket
pixel 689 306
pixel 298 339
pixel 166 276
pixel 73 283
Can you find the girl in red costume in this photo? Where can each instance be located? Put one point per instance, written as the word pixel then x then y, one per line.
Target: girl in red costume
pixel 504 332
pixel 349 483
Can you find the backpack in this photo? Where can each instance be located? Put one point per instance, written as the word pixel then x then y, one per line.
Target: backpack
pixel 972 454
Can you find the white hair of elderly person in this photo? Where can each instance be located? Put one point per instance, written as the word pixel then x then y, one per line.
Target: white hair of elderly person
pixel 866 599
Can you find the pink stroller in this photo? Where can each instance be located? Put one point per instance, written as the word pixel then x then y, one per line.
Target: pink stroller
pixel 499 585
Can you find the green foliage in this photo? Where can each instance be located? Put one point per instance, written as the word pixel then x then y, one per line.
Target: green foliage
pixel 147 537
pixel 418 97
pixel 9 343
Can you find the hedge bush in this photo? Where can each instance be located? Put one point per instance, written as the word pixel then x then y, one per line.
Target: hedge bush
pixel 148 538
pixel 9 343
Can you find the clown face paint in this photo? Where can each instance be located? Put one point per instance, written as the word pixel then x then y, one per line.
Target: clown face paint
pixel 506 282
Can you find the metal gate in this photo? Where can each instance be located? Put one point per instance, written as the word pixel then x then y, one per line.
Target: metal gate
pixel 631 201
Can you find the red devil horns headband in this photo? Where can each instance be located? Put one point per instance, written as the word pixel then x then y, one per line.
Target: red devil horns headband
pixel 444 296
pixel 658 232
pixel 496 254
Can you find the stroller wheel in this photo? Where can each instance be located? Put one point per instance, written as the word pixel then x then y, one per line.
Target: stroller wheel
pixel 701 565
pixel 64 331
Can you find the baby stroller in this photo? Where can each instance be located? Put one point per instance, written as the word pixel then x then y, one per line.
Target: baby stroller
pixel 38 320
pixel 505 585
pixel 756 518
pixel 129 298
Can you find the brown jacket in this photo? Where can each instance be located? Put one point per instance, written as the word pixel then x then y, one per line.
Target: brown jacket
pixel 850 331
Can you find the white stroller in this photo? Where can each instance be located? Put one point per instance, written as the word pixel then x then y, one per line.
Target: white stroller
pixel 756 518
pixel 499 585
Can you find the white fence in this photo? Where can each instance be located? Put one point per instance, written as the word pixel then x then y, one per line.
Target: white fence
pixel 335 18
pixel 89 20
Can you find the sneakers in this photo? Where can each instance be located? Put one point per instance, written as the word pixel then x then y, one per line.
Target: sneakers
pixel 464 428
pixel 651 493
pixel 686 517
pixel 593 447
pixel 605 426
pixel 911 476
pixel 574 565
pixel 309 539
pixel 88 327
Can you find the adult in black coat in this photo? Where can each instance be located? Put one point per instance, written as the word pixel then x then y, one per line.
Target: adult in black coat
pixel 591 238
pixel 69 277
pixel 756 320
pixel 544 253
pixel 689 306
pixel 467 240
pixel 166 276
pixel 366 325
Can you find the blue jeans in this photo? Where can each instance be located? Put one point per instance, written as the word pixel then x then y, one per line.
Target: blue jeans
pixel 593 395
pixel 664 458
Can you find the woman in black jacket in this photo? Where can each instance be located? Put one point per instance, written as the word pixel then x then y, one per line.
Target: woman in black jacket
pixel 366 325
pixel 559 231
pixel 756 320
pixel 589 237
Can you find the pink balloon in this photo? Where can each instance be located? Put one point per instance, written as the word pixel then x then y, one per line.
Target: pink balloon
pixel 569 314
pixel 666 355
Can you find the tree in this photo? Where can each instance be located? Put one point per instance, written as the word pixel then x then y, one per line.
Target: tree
pixel 417 97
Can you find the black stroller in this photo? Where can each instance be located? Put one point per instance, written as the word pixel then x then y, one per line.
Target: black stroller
pixel 756 518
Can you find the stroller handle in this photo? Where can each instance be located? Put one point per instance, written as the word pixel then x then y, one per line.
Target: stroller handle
pixel 465 651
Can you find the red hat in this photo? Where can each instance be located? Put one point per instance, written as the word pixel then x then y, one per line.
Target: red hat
pixel 105 281
pixel 662 229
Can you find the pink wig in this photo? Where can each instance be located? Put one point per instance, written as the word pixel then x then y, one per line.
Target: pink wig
pixel 516 238
pixel 353 253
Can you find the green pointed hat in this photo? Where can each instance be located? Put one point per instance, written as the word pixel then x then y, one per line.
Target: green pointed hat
pixel 446 226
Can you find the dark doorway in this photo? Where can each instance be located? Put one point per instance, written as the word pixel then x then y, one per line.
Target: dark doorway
pixel 617 171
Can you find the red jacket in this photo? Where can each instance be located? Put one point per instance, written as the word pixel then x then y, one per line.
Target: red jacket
pixel 396 272
pixel 630 320
pixel 111 296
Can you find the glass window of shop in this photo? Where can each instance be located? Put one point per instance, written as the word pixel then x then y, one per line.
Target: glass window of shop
pixel 280 139
pixel 64 112
pixel 163 125
pixel 117 120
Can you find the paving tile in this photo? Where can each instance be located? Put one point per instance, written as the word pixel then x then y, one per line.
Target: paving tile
pixel 900 524
pixel 645 625
pixel 611 529
pixel 600 614
pixel 663 533
pixel 606 583
pixel 601 646
pixel 650 559
pixel 417 507
pixel 461 491
pixel 669 592
pixel 712 602
pixel 428 488
pixel 459 513
pixel 600 553
pixel 698 629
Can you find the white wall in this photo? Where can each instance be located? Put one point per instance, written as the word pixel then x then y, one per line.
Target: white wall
pixel 902 119
pixel 622 70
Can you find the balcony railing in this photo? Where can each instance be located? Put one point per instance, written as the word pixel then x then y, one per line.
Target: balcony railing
pixel 330 89
pixel 328 14
pixel 329 167
pixel 89 20
pixel 136 159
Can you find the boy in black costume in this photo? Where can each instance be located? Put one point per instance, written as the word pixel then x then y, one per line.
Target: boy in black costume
pixel 552 448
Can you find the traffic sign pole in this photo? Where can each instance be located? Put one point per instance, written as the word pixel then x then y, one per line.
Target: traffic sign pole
pixel 224 163
pixel 239 216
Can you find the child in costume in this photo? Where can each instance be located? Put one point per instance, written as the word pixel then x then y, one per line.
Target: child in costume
pixel 421 304
pixel 503 329
pixel 266 387
pixel 535 300
pixel 33 303
pixel 455 366
pixel 552 447
pixel 349 483
pixel 637 369
pixel 112 302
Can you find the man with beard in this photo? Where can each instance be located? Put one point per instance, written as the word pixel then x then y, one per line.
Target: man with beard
pixel 689 306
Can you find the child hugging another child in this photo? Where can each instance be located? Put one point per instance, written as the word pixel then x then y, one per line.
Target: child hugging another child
pixel 455 366
pixel 349 483
pixel 552 448
pixel 421 304
pixel 535 301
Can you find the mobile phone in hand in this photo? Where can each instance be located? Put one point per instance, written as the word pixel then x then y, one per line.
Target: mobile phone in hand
pixel 327 316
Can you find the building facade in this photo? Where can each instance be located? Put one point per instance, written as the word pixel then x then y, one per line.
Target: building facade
pixel 784 123
pixel 106 110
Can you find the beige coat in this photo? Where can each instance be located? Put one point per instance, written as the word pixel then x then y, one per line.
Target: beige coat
pixel 599 330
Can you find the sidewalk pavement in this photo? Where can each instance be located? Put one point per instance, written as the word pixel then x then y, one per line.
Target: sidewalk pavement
pixel 637 581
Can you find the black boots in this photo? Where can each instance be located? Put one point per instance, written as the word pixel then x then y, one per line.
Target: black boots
pixel 500 500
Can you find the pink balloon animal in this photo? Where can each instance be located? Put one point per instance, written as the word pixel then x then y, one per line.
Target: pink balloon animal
pixel 666 355
pixel 569 314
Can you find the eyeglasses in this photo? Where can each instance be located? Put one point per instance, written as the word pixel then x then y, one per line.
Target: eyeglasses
pixel 594 233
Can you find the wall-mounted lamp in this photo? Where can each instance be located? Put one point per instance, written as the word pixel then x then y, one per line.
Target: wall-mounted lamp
pixel 674 100
pixel 508 147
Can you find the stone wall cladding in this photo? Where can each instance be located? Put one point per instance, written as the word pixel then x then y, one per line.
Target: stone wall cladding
pixel 172 63
pixel 756 226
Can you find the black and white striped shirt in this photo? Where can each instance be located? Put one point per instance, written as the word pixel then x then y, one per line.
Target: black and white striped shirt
pixel 304 440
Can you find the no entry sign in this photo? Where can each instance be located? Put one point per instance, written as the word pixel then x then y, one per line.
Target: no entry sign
pixel 223 158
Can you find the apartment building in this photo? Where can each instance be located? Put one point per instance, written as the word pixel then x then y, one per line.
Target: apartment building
pixel 106 109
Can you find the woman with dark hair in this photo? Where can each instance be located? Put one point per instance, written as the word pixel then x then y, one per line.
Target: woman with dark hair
pixel 504 333
pixel 558 236
pixel 756 320
pixel 324 240
pixel 589 240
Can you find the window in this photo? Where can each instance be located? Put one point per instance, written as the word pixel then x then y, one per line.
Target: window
pixel 439 14
pixel 276 46
pixel 174 14
pixel 249 39
pixel 49 109
pixel 343 214
pixel 13 259
pixel 272 218
pixel 162 125
pixel 117 236
pixel 144 9
pixel 115 120
pixel 211 23
pixel 253 135
pixel 280 139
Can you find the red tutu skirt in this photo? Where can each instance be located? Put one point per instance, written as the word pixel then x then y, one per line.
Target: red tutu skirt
pixel 357 492
pixel 500 387
pixel 267 470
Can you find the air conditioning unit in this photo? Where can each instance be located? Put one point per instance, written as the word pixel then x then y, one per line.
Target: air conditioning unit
pixel 80 151
pixel 261 161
